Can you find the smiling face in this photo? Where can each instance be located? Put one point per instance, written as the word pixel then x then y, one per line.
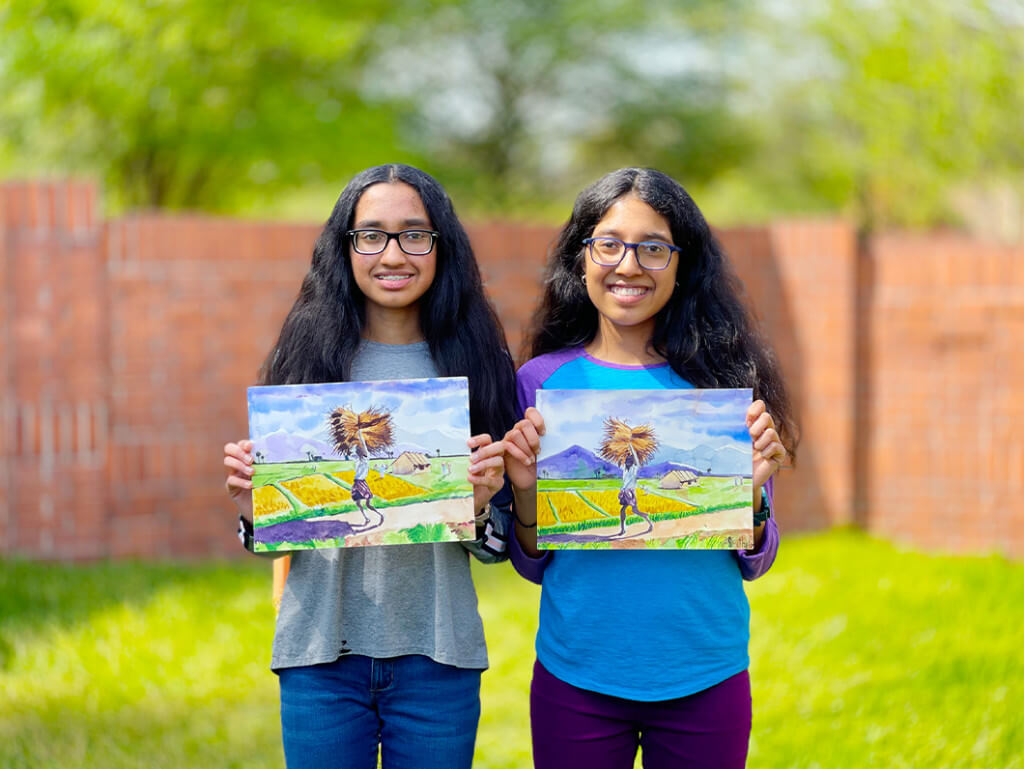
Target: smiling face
pixel 628 295
pixel 392 281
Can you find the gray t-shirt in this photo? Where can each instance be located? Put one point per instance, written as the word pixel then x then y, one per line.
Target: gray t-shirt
pixel 389 600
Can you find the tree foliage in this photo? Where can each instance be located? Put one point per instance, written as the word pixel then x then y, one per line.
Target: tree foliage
pixel 901 102
pixel 189 104
pixel 522 101
pixel 874 107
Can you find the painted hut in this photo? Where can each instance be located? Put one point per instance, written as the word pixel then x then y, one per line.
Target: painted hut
pixel 409 463
pixel 678 479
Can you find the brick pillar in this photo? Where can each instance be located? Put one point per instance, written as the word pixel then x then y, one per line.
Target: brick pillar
pixel 800 278
pixel 53 304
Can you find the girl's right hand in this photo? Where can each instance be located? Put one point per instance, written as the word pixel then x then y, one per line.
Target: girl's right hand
pixel 238 461
pixel 522 445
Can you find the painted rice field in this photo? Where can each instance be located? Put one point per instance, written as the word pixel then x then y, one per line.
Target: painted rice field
pixel 360 463
pixel 568 517
pixel 321 505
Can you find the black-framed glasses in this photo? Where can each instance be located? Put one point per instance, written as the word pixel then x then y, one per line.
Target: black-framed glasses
pixel 412 242
pixel 650 254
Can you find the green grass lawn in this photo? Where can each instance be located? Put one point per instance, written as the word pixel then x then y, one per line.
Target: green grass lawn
pixel 863 655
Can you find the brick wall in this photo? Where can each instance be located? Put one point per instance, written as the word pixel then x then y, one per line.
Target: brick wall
pixel 53 344
pixel 126 346
pixel 800 278
pixel 946 393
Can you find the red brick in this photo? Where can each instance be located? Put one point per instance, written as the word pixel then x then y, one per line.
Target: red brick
pixel 143 395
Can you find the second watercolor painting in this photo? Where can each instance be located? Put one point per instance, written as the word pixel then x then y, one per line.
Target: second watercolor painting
pixel 360 463
pixel 645 469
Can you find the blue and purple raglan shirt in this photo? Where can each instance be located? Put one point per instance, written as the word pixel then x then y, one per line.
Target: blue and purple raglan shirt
pixel 639 624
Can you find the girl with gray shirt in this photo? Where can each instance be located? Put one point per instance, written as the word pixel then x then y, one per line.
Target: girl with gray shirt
pixel 381 648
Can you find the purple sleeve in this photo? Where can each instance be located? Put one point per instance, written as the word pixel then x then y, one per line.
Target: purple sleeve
pixel 529 379
pixel 535 372
pixel 528 567
pixel 526 391
pixel 757 563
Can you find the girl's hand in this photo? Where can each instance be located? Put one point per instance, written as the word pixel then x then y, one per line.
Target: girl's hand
pixel 486 469
pixel 238 461
pixel 522 445
pixel 769 453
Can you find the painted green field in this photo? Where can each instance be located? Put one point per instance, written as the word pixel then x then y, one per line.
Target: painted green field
pixel 711 492
pixel 863 655
pixel 336 476
pixel 569 510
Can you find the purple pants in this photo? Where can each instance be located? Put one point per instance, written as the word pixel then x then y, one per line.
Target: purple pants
pixel 576 727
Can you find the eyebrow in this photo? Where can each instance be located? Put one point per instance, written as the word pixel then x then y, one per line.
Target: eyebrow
pixel 659 236
pixel 377 224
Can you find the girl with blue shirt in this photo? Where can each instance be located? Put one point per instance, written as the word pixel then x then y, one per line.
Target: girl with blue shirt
pixel 640 296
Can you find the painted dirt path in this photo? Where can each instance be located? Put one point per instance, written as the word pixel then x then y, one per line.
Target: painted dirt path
pixel 721 523
pixel 350 524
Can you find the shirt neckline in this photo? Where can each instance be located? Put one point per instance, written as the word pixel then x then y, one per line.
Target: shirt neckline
pixel 622 366
pixel 385 347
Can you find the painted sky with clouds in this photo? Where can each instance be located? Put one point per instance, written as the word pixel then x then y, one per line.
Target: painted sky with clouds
pixel 438 407
pixel 683 419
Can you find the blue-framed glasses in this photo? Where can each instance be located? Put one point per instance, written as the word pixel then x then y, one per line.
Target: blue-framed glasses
pixel 412 242
pixel 650 254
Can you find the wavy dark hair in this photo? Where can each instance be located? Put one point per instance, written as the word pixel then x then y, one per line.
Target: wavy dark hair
pixel 321 333
pixel 704 331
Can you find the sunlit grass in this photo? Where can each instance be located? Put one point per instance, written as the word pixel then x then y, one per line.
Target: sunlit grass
pixel 863 655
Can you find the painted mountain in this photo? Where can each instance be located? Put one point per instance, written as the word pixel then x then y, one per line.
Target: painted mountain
pixel 707 460
pixel 659 469
pixel 282 446
pixel 426 443
pixel 575 462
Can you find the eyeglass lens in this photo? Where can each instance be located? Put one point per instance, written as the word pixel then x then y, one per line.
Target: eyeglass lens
pixel 610 251
pixel 413 242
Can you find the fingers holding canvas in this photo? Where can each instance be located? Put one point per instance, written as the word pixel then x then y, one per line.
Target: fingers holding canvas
pixel 533 416
pixel 756 409
pixel 477 441
pixel 518 447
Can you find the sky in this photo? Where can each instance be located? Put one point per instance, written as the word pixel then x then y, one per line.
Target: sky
pixel 683 419
pixel 433 413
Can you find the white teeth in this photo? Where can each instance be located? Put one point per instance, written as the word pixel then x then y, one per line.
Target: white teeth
pixel 393 277
pixel 628 290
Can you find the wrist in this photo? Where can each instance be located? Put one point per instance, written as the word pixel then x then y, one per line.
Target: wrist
pixel 530 490
pixel 763 512
pixel 245 533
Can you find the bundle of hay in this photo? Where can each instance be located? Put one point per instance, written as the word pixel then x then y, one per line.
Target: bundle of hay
pixel 619 436
pixel 375 425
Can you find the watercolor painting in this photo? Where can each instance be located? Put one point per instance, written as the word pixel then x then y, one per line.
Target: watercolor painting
pixel 645 469
pixel 360 463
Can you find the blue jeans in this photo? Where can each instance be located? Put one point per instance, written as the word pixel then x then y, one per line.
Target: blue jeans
pixel 421 713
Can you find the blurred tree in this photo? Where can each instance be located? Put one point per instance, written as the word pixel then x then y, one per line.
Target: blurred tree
pixel 895 104
pixel 188 103
pixel 516 102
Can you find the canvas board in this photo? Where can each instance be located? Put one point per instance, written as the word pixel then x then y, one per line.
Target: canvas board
pixel 360 463
pixel 645 469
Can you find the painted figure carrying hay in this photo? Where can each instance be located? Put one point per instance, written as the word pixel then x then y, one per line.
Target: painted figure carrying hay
pixel 368 432
pixel 628 447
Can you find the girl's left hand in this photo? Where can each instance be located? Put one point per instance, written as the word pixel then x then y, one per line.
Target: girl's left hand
pixel 769 453
pixel 486 469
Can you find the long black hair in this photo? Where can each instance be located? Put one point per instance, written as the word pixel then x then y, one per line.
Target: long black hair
pixel 704 331
pixel 321 333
